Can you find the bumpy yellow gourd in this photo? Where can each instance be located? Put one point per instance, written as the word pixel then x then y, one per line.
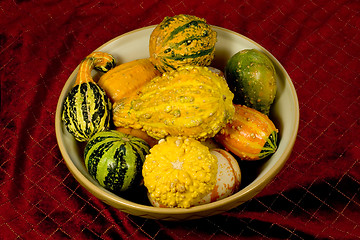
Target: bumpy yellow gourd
pixel 190 101
pixel 179 172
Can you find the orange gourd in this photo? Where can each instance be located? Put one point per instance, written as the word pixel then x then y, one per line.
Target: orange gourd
pixel 251 135
pixel 126 79
pixel 138 133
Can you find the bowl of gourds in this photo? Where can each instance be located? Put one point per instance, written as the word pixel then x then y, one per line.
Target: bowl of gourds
pixel 177 121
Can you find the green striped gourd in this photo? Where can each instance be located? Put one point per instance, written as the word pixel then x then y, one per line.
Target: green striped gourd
pixel 251 135
pixel 87 109
pixel 182 40
pixel 115 159
pixel 252 78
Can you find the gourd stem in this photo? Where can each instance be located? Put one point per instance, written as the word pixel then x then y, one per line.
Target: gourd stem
pixel 98 60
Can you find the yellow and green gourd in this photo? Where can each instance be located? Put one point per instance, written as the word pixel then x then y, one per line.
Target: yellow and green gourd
pixel 87 109
pixel 191 101
pixel 115 159
pixel 182 40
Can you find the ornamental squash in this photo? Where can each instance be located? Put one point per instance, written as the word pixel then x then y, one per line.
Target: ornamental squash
pixel 251 135
pixel 87 109
pixel 179 172
pixel 252 78
pixel 190 101
pixel 138 133
pixel 228 178
pixel 126 79
pixel 182 40
pixel 115 159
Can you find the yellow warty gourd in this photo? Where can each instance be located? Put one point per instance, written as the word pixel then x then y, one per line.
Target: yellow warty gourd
pixel 190 101
pixel 179 172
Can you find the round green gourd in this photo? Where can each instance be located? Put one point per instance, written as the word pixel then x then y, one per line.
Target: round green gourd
pixel 86 108
pixel 251 77
pixel 182 40
pixel 115 159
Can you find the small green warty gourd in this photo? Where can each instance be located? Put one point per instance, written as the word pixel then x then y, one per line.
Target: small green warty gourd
pixel 251 76
pixel 86 108
pixel 191 101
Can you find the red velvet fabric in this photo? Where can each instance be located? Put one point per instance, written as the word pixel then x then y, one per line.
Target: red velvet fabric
pixel 315 196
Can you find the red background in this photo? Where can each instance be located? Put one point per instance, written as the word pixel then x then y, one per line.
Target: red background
pixel 317 193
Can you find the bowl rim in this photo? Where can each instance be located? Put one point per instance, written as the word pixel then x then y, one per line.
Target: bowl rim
pixel 246 193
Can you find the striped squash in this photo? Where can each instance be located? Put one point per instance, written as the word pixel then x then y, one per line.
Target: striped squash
pixel 251 135
pixel 182 40
pixel 115 159
pixel 87 109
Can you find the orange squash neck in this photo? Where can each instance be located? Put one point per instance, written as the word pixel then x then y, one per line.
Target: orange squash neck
pixel 84 74
pixel 99 60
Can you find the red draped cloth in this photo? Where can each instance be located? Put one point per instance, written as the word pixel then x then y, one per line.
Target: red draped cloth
pixel 315 196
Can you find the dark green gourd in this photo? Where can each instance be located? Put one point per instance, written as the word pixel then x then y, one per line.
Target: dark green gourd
pixel 115 159
pixel 251 77
pixel 87 109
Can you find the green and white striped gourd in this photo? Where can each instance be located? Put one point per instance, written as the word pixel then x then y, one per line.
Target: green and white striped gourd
pixel 115 159
pixel 87 109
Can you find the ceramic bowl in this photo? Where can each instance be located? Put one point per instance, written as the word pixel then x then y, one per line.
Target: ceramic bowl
pixel 255 175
